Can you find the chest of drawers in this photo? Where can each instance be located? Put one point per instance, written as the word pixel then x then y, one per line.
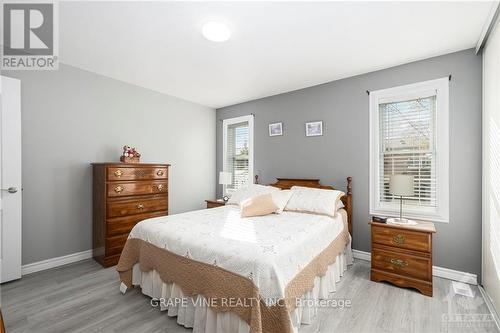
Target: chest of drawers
pixel 123 195
pixel 402 255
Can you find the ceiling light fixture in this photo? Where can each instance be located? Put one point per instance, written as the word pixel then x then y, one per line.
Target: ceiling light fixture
pixel 216 31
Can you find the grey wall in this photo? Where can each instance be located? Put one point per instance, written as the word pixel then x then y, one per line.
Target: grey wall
pixel 343 150
pixel 71 118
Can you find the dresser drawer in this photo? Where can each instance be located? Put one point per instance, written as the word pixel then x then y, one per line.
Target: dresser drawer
pixel 122 189
pixel 402 264
pixel 136 206
pixel 114 245
pixel 136 173
pixel 405 239
pixel 123 225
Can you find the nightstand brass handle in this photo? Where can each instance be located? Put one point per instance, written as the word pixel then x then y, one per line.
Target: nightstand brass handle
pixel 118 189
pixel 399 262
pixel 140 206
pixel 118 173
pixel 159 173
pixel 398 239
pixel 159 187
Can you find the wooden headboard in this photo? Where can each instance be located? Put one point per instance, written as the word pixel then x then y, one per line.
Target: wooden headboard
pixel 287 183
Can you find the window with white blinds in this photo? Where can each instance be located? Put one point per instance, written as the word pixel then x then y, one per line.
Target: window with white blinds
pixel 238 151
pixel 409 135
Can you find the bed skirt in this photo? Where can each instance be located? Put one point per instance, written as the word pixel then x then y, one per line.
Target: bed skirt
pixel 195 313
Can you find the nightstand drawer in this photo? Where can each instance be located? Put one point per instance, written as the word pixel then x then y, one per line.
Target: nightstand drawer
pixel 405 239
pixel 402 264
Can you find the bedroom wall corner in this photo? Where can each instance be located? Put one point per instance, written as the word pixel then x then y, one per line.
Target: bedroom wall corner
pixel 72 117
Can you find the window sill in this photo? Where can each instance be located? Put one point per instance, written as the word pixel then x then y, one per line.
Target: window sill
pixel 413 216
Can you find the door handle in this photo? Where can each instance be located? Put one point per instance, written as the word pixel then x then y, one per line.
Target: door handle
pixel 10 189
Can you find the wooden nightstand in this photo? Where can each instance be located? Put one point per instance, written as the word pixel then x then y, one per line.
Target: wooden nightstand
pixel 214 203
pixel 402 255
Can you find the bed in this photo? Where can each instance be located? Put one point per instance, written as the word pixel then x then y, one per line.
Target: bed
pixel 218 272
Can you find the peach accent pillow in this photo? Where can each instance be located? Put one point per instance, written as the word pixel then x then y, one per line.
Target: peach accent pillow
pixel 258 206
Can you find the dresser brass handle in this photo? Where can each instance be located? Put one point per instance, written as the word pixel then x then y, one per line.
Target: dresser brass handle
pixel 398 239
pixel 140 206
pixel 118 189
pixel 118 173
pixel 159 173
pixel 399 262
pixel 159 187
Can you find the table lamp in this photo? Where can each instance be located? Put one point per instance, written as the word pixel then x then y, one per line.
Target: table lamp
pixel 401 185
pixel 225 178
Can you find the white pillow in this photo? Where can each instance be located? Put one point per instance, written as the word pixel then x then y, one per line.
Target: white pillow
pixel 281 198
pixel 314 200
pixel 249 191
pixel 340 205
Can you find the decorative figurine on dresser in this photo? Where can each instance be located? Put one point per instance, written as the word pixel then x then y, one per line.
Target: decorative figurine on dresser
pixel 123 195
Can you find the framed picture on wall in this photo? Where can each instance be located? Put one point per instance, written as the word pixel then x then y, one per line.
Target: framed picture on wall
pixel 314 128
pixel 275 129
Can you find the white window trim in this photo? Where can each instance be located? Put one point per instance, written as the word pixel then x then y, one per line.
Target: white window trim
pixel 225 124
pixel 441 87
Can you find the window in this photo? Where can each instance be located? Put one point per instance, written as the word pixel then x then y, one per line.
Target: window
pixel 409 135
pixel 238 151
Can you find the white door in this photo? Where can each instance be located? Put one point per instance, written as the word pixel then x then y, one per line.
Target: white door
pixel 10 179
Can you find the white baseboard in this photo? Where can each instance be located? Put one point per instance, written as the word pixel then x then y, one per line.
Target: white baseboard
pixel 357 254
pixel 441 272
pixel 452 274
pixel 55 262
pixel 490 305
pixel 367 256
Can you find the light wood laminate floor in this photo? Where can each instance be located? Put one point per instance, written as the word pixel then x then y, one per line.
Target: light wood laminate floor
pixel 84 297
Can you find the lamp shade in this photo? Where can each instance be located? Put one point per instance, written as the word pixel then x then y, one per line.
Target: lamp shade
pixel 401 185
pixel 225 178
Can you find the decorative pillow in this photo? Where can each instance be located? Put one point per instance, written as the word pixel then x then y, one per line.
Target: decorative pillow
pixel 281 198
pixel 314 200
pixel 258 206
pixel 249 191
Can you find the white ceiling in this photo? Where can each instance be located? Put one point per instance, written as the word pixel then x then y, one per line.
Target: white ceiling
pixel 275 47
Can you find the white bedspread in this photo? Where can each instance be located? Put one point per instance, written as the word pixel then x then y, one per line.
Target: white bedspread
pixel 270 249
